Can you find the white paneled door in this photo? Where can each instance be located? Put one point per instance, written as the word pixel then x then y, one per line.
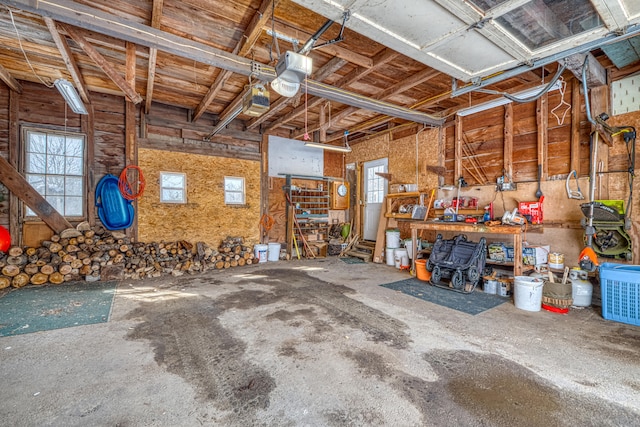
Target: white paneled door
pixel 375 189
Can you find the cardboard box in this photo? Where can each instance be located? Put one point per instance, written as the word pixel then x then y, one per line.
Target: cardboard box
pixel 535 255
pixel 532 211
pixel 531 255
pixel 499 251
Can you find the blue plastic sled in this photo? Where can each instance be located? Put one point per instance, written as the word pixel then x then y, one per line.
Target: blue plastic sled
pixel 115 212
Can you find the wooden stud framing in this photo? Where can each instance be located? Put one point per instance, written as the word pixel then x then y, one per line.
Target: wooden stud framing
pixel 508 140
pixel 14 145
pixel 457 170
pixel 542 120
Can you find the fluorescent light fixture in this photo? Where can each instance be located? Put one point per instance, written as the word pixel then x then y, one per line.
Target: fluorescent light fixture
pixel 70 95
pixel 328 147
pixel 291 69
pixel 503 101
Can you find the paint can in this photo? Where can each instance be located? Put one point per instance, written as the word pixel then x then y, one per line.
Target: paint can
pixel 504 287
pixel 261 252
pixel 556 261
pixel 490 286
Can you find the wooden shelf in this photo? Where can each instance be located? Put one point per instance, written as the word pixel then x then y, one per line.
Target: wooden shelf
pixel 390 198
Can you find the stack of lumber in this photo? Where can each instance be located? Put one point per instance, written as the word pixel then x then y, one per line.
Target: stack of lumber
pixel 94 253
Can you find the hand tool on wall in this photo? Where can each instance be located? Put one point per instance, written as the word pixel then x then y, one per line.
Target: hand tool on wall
pixel 539 191
pixel 574 194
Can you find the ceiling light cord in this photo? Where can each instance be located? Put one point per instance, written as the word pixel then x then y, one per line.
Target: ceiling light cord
pixel 49 85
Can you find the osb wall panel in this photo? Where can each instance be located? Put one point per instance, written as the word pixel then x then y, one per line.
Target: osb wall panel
pixel 402 154
pixel 204 217
pixel 334 164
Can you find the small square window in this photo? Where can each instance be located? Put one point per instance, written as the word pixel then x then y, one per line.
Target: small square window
pixel 234 190
pixel 173 187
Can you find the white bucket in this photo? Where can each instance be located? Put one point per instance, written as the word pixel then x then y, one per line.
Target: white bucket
pixel 528 293
pixel 273 252
pixel 490 287
pixel 390 256
pixel 408 243
pixel 401 258
pixel 260 252
pixel 393 238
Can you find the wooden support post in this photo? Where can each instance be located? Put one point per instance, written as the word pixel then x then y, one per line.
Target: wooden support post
pixel 87 124
pixel 264 181
pixel 14 154
pixel 131 140
pixel 457 171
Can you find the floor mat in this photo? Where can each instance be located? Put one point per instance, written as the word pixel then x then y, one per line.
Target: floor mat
pixel 472 303
pixel 43 308
pixel 352 260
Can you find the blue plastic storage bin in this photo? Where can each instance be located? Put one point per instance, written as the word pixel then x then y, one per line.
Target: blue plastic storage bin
pixel 620 287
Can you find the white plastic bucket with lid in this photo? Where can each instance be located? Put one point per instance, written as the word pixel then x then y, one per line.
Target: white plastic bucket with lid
pixel 527 293
pixel 401 258
pixel 273 253
pixel 390 256
pixel 261 252
pixel 408 244
pixel 393 238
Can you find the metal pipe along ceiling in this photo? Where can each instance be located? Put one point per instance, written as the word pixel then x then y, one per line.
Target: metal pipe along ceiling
pixel 83 16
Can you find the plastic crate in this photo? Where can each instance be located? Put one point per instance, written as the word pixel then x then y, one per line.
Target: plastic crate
pixel 620 287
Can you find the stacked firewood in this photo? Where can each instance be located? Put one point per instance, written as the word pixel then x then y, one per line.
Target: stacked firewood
pixel 94 253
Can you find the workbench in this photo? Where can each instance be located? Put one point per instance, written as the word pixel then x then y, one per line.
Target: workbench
pixel 467 228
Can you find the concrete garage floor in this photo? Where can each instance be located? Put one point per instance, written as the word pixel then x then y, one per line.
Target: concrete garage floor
pixel 318 343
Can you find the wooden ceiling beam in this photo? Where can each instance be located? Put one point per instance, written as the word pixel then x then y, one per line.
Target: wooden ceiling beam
pixel 403 85
pixel 67 57
pixel 331 50
pixel 6 77
pixel 242 48
pixel 156 19
pixel 101 62
pixel 379 60
pixel 92 19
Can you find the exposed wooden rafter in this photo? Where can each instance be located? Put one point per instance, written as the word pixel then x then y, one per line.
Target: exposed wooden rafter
pixel 358 73
pixel 67 57
pixel 156 18
pixel 101 62
pixel 6 77
pixel 243 47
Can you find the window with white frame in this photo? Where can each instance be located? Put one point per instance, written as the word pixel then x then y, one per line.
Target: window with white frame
pixel 54 166
pixel 234 190
pixel 173 187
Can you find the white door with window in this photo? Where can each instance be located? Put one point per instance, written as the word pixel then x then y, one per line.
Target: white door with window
pixel 375 189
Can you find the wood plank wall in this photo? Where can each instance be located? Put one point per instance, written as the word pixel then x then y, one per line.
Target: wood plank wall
pixel 483 137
